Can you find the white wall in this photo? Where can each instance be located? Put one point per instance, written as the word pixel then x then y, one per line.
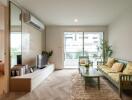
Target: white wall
pixel 55 42
pixel 120 36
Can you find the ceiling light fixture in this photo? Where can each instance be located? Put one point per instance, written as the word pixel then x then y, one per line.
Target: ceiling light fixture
pixel 75 20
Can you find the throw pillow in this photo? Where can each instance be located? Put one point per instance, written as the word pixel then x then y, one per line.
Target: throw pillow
pixel 117 67
pixel 110 62
pixel 83 61
pixel 128 69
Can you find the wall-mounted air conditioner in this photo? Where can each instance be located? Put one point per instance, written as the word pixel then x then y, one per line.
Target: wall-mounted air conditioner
pixel 30 19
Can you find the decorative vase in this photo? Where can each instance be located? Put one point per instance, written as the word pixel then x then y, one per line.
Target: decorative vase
pixel 41 60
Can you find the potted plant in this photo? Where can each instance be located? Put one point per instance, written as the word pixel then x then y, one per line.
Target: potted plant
pixel 48 54
pixel 106 49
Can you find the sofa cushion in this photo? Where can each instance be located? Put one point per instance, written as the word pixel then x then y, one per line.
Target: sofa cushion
pixel 115 76
pixel 110 62
pixel 117 67
pixel 102 66
pixel 128 69
pixel 106 69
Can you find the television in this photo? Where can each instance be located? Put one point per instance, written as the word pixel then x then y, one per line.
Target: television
pixel 19 59
pixel 41 61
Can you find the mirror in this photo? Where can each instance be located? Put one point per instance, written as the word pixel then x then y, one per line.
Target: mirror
pixel 15 35
pixel 25 42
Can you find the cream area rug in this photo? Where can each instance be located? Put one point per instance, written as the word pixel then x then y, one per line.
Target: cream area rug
pixel 91 93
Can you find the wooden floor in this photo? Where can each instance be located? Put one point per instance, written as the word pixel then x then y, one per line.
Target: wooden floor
pixel 56 87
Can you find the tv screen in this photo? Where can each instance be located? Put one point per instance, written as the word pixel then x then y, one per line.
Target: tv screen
pixel 19 59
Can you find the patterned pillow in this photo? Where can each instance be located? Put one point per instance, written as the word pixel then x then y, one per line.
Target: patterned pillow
pixel 117 67
pixel 128 69
pixel 110 62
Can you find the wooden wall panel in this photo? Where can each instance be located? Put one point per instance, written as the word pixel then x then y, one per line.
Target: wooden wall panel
pixel 4 49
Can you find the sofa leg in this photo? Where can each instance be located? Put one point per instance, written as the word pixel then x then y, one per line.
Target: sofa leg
pixel 120 92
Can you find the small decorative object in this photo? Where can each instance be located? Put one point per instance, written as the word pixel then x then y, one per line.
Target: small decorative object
pixel 13 73
pixel 17 73
pixel 27 70
pixel 47 55
pixel 87 67
pixel 19 70
pixel 31 70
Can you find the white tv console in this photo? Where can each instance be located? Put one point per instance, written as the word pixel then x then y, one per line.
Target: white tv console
pixel 28 82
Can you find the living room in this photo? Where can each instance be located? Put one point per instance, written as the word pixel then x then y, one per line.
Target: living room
pixel 76 20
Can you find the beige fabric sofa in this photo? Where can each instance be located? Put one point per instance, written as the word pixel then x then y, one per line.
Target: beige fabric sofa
pixel 120 80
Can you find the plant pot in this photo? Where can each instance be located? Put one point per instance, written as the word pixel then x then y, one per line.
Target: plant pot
pixel 42 60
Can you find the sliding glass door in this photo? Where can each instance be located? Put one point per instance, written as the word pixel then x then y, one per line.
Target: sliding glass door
pixel 81 44
pixel 73 48
pixel 91 44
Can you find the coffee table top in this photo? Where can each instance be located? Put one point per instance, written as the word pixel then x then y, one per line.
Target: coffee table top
pixel 92 72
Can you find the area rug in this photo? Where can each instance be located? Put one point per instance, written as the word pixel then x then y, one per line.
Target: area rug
pixel 91 93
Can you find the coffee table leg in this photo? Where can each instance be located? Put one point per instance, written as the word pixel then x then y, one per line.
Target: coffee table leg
pixel 85 83
pixel 98 83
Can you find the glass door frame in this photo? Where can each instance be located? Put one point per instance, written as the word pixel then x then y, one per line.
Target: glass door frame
pixel 83 40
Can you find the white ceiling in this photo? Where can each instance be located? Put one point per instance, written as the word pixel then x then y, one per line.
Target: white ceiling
pixel 88 12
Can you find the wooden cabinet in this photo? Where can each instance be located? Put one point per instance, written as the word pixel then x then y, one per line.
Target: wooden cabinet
pixel 28 82
pixel 4 48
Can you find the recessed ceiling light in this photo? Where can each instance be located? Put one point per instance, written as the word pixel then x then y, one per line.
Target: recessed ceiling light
pixel 75 20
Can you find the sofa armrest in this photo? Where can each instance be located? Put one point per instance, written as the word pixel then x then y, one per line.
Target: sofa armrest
pixel 126 77
pixel 125 80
